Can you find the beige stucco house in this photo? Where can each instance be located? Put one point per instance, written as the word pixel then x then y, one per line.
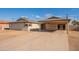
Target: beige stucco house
pixel 24 23
pixel 50 24
pixel 54 23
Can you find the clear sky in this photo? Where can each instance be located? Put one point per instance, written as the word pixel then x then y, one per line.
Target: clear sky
pixel 11 14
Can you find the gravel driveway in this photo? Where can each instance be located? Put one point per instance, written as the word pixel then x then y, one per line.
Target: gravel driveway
pixel 36 41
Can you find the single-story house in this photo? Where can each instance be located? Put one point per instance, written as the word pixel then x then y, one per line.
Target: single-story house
pixel 4 25
pixel 24 23
pixel 54 23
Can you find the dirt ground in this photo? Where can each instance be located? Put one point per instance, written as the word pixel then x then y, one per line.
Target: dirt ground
pixel 4 35
pixel 74 40
pixel 33 41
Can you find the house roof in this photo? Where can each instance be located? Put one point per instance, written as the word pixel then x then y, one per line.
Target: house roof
pixel 53 18
pixel 24 20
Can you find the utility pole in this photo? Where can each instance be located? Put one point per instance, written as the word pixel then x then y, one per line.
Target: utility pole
pixel 67 23
pixel 67 16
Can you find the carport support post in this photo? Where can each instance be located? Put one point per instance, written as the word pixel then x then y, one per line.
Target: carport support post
pixel 76 27
pixel 39 27
pixel 28 28
pixel 67 27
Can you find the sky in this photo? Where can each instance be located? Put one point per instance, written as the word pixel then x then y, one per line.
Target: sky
pixel 12 14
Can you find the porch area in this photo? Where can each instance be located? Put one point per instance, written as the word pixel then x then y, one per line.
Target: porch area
pixel 55 25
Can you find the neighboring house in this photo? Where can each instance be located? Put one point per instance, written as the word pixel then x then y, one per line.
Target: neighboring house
pixel 4 25
pixel 54 23
pixel 24 24
pixel 77 25
pixel 74 26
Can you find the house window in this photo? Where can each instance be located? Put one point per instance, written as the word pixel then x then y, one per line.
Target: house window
pixel 7 28
pixel 30 24
pixel 26 24
pixel 61 27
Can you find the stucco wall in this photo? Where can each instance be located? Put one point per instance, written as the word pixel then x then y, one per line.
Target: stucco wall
pixel 34 26
pixel 17 26
pixel 51 26
pixel 54 26
pixel 77 28
pixel 3 26
pixel 21 26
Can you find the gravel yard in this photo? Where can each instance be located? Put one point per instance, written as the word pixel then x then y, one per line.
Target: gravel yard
pixel 74 41
pixel 33 41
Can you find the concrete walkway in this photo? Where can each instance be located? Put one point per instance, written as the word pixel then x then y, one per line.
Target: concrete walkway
pixel 37 41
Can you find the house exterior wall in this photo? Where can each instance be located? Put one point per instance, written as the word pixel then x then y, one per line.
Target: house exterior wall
pixel 34 26
pixel 54 26
pixel 51 26
pixel 77 28
pixel 4 26
pixel 17 26
pixel 67 26
pixel 21 26
pixel 74 27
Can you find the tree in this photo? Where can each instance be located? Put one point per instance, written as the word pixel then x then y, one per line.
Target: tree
pixel 75 23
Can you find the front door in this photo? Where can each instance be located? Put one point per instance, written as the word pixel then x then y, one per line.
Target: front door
pixel 61 27
pixel 43 27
